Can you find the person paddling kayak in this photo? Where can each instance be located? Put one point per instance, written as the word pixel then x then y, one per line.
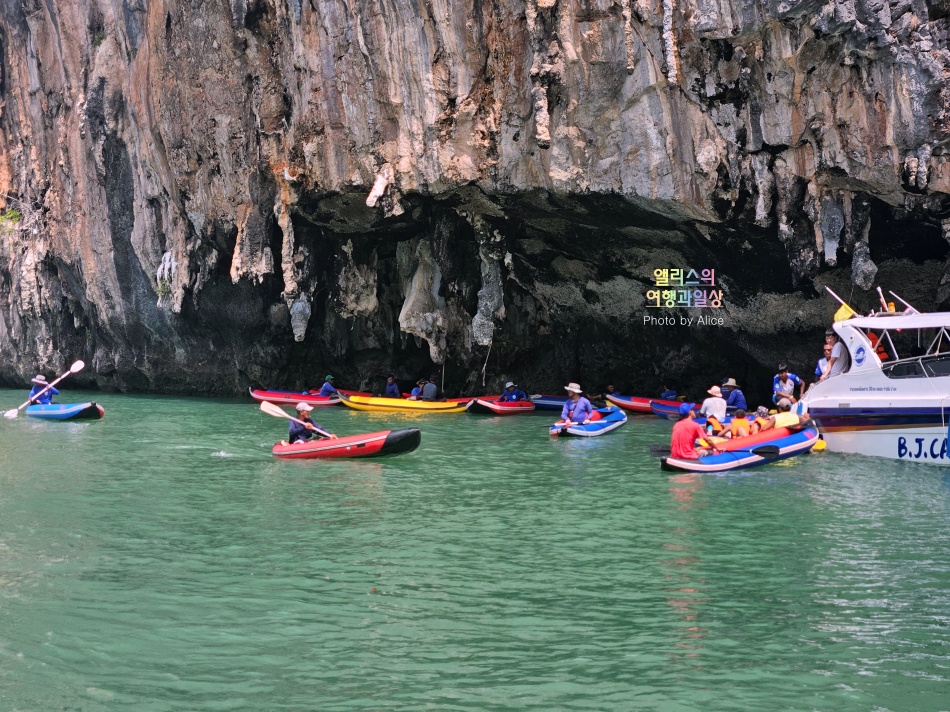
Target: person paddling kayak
pixel 302 432
pixel 577 409
pixel 37 395
pixel 327 388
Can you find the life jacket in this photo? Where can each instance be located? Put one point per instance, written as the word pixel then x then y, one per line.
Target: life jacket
pixel 758 421
pixel 712 422
pixel 878 346
pixel 735 424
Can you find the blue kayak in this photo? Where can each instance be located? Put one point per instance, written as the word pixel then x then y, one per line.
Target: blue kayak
pixel 66 411
pixel 602 422
pixel 791 445
pixel 548 402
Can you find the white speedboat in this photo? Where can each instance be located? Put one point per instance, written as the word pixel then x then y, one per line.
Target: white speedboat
pixel 899 407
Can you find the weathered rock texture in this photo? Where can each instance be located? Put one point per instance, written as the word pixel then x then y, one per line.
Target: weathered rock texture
pixel 215 194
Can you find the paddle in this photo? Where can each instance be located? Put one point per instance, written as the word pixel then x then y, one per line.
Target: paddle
pixel 761 451
pixel 278 412
pixel 75 368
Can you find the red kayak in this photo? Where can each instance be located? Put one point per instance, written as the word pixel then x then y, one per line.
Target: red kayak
pixel 482 406
pixel 380 444
pixel 294 397
pixel 634 404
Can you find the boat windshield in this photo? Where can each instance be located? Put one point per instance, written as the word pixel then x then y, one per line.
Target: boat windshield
pixel 927 366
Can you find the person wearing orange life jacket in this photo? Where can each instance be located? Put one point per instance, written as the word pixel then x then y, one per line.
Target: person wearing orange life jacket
pixel 739 426
pixel 760 420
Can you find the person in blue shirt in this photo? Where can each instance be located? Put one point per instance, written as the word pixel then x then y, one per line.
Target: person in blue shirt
pixel 416 393
pixel 512 394
pixel 735 398
pixel 303 432
pixel 783 386
pixel 327 388
pixel 668 393
pixel 392 388
pixel 39 384
pixel 577 409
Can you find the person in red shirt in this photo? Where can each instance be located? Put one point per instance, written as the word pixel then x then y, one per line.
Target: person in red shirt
pixel 685 434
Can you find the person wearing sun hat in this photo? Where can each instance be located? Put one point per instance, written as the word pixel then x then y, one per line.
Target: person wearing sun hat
pixel 40 394
pixel 327 388
pixel 303 431
pixel 715 405
pixel 735 398
pixel 577 409
pixel 512 394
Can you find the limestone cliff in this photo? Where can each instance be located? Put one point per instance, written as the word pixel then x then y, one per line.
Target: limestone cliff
pixel 204 195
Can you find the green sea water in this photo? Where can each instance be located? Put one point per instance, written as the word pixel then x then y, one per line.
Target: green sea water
pixel 161 559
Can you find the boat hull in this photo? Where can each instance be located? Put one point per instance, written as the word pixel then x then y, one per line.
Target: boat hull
pixel 480 406
pixel 548 402
pixel 634 404
pixel 605 420
pixel 911 434
pixel 292 398
pixel 398 405
pixel 668 409
pixel 379 444
pixel 66 411
pixel 792 444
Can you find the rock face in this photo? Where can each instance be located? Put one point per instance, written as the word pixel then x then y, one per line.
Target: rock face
pixel 201 196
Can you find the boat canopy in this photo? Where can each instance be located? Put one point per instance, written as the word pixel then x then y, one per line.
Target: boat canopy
pixel 890 320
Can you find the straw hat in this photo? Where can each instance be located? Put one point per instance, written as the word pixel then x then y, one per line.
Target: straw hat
pixel 573 388
pixel 715 392
pixel 731 383
pixel 39 380
pixel 304 407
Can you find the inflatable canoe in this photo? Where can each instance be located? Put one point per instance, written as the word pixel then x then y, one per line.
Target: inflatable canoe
pixel 548 402
pixel 743 455
pixel 292 397
pixel 603 421
pixel 480 406
pixel 397 405
pixel 667 408
pixel 631 403
pixel 380 444
pixel 66 411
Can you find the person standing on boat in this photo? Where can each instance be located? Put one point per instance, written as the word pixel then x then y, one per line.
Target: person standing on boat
pixel 735 398
pixel 302 432
pixel 37 396
pixel 839 361
pixel 715 405
pixel 685 434
pixel 783 386
pixel 392 388
pixel 327 388
pixel 512 394
pixel 577 409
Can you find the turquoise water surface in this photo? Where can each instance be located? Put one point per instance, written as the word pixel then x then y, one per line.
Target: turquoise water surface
pixel 161 559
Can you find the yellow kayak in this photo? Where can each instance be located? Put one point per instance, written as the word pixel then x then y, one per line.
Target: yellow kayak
pixel 401 405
